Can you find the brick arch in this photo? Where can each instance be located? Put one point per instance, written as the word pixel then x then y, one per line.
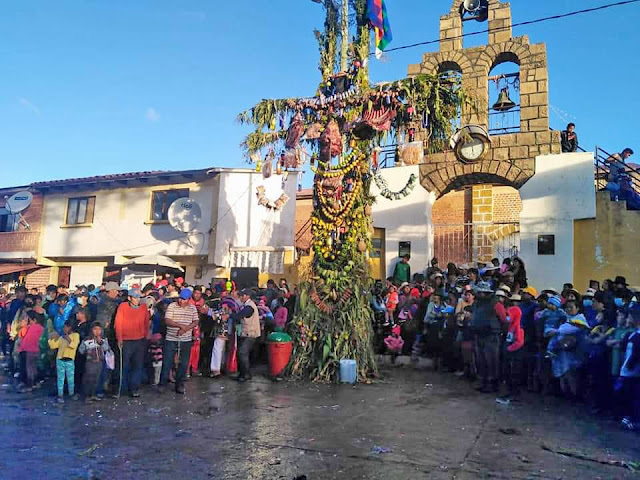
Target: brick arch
pixel 431 63
pixel 504 57
pixel 503 231
pixel 444 172
pixel 449 65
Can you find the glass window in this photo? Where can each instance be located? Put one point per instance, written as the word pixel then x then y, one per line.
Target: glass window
pixel 162 199
pixel 80 210
pixel 376 251
pixel 546 244
pixel 8 222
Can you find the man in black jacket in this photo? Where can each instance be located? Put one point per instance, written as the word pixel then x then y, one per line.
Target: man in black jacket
pixel 569 139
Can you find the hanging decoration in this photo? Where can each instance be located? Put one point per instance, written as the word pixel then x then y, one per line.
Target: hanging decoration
pixel 381 183
pixel 276 204
pixel 341 128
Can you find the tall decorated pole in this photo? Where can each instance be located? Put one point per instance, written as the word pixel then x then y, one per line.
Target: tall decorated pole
pixel 338 131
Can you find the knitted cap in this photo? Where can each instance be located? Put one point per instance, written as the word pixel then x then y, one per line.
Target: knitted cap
pixel 556 301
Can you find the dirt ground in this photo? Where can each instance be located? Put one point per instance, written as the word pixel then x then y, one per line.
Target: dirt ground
pixel 410 425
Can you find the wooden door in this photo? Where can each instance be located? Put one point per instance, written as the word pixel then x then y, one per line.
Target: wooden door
pixel 64 276
pixel 377 255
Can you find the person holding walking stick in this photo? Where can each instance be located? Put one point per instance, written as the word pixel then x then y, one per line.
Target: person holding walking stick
pixel 181 318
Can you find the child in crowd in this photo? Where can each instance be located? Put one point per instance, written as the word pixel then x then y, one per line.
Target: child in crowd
pixel 629 385
pixel 394 342
pixel 281 314
pixel 29 347
pixel 67 346
pixel 465 337
pixel 513 355
pixel 194 356
pixel 155 352
pixel 392 300
pixel 95 347
pixel 565 336
pixel 19 357
pixel 615 342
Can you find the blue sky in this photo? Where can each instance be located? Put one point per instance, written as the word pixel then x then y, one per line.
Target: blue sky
pixel 95 87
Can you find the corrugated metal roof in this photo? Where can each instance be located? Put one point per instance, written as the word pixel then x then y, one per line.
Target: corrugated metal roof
pixel 113 177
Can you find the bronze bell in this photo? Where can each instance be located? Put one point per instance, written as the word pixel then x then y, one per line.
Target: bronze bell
pixel 504 103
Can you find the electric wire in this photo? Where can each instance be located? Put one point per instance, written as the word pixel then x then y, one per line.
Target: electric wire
pixel 519 24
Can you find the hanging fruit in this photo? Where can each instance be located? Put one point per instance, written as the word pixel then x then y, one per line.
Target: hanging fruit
pixel 362 246
pixel 367 210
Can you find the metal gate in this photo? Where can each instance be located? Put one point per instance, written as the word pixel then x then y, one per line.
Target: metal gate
pixel 472 242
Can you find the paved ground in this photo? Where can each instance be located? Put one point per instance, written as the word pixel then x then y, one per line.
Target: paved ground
pixel 434 426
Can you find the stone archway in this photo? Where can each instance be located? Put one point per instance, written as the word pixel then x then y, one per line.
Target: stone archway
pixel 506 165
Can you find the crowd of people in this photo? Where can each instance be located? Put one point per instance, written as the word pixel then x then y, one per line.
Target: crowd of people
pixel 481 322
pixel 110 340
pixel 486 323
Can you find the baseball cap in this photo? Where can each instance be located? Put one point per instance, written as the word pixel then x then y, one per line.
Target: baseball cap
pixel 185 294
pixel 531 291
pixel 134 292
pixel 246 291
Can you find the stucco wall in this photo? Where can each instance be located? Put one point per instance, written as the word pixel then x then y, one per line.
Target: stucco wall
pixel 86 274
pixel 607 246
pixel 561 191
pixel 408 219
pixel 244 223
pixel 121 225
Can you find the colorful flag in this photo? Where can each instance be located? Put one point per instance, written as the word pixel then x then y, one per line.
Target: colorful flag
pixel 379 19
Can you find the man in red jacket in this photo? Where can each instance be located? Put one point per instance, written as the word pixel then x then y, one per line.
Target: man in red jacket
pixel 132 331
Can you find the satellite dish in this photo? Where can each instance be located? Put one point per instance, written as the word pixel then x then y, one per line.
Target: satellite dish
pixel 471 5
pixel 18 202
pixel 184 215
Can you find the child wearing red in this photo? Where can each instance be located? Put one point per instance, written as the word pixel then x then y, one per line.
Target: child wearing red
pixel 194 357
pixel 514 342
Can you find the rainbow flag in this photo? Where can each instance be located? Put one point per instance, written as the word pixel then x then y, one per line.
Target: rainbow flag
pixel 379 20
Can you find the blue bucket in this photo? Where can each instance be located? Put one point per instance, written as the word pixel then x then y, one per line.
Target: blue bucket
pixel 348 371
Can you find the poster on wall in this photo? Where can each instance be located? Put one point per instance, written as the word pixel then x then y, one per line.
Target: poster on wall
pixel 404 248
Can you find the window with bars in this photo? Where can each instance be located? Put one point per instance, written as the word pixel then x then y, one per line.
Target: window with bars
pixel 80 210
pixel 162 199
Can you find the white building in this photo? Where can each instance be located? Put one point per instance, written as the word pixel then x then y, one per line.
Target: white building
pixel 560 193
pixel 91 225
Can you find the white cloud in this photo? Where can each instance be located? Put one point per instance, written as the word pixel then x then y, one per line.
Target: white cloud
pixel 29 106
pixel 152 115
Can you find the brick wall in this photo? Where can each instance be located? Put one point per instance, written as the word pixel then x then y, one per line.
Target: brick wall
pixel 23 240
pixel 451 239
pixel 506 205
pixel 304 208
pixel 39 279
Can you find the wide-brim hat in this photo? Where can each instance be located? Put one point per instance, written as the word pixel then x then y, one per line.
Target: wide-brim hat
pixel 591 292
pixel 111 286
pixel 501 293
pixel 483 287
pixel 404 284
pixel 515 297
pixel 621 280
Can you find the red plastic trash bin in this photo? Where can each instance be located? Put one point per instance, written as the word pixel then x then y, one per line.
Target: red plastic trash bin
pixel 279 355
